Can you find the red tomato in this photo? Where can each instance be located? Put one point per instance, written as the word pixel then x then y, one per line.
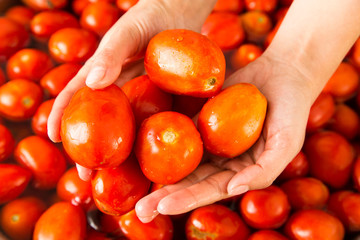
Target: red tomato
pixel 188 105
pixel 280 14
pixel 256 25
pixel 231 122
pixel 225 29
pixel 13 37
pixel 39 121
pixel 146 98
pixel 330 156
pixel 168 147
pixel 235 6
pixel 110 224
pixel 7 143
pixel 286 2
pixel 21 15
pixel 72 45
pixel 306 193
pixel 19 99
pixel 356 173
pixel 161 228
pixel 116 190
pixel 267 6
pixel 61 221
pixel 98 127
pixel 29 64
pixel 267 235
pixel 216 222
pixel 45 23
pixel 298 167
pixel 18 217
pixel 13 181
pixel 245 54
pixel 185 62
pixel 346 206
pixel 265 208
pixel 345 121
pixel 2 77
pixel 57 78
pixel 71 188
pixel 99 17
pixel 355 55
pixel 40 5
pixel 78 6
pixel 43 158
pixel 320 112
pixel 314 225
pixel 125 5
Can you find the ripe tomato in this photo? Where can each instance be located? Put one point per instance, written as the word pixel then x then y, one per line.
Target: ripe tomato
pixel 78 6
pixel 98 127
pixel 298 167
pixel 29 64
pixel 44 160
pixel 306 193
pixel 256 25
pixel 355 55
pixel 99 17
pixel 280 14
pixel 18 217
pixel 161 228
pixel 314 224
pixel 39 120
pixel 13 181
pixel 13 37
pixel 267 235
pixel 61 221
pixel 41 5
pixel 116 190
pixel 45 23
pixel 125 5
pixel 330 156
pixel 344 83
pixel 231 122
pixel 235 6
pixel 216 222
pixel 356 173
pixel 21 15
pixel 72 45
pixel 7 143
pixel 265 208
pixel 320 112
pixel 146 98
pixel 225 29
pixel 286 2
pixel 168 147
pixel 244 55
pixel 57 78
pixel 267 6
pixel 185 62
pixel 188 105
pixel 19 99
pixel 345 121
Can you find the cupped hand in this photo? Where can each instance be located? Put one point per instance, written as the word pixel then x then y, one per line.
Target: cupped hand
pixel 290 95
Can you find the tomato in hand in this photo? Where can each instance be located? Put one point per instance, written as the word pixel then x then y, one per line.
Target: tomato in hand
pixel 168 147
pixel 267 6
pixel 98 127
pixel 245 54
pixel 184 62
pixel 73 45
pixel 235 6
pixel 116 190
pixel 267 235
pixel 44 160
pixel 345 121
pixel 30 64
pixel 231 122
pixel 39 120
pixel 256 25
pixel 215 222
pixel 7 143
pixel 298 167
pixel 125 5
pixel 19 99
pixel 61 221
pixel 187 105
pixel 161 228
pixel 320 112
pixel 146 98
pixel 18 217
pixel 13 181
pixel 41 5
pixel 314 224
pixel 21 15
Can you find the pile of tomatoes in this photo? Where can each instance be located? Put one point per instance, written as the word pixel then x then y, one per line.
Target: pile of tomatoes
pixel 43 44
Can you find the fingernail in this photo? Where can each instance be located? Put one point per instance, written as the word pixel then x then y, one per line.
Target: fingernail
pixel 238 190
pixel 95 75
pixel 146 219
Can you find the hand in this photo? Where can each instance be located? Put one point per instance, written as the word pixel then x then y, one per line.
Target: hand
pixel 289 96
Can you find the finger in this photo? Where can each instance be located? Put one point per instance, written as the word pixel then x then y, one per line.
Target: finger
pixel 84 173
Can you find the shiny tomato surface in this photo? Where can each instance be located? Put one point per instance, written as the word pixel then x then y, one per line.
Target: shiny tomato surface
pixel 235 6
pixel 298 167
pixel 7 143
pixel 345 121
pixel 125 5
pixel 245 54
pixel 39 120
pixel 41 5
pixel 257 25
pixel 21 15
pixel 267 6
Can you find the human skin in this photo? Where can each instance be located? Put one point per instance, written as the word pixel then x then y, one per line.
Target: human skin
pixel 311 42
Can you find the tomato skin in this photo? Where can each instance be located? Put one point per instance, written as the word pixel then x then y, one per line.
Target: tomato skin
pixel 256 25
pixel 231 122
pixel 314 224
pixel 298 167
pixel 235 6
pixel 78 6
pixel 44 160
pixel 125 5
pixel 320 112
pixel 267 6
pixel 245 54
pixel 13 37
pixel 45 23
pixel 61 221
pixel 356 173
pixel 7 143
pixel 161 228
pixel 116 190
pixel 146 98
pixel 215 222
pixel 40 5
pixel 18 217
pixel 345 121
pixel 185 62
pixel 29 64
pixel 21 15
pixel 72 45
pixel 39 120
pixel 267 235
pixel 168 147
pixel 90 129
pixel 19 99
pixel 330 156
